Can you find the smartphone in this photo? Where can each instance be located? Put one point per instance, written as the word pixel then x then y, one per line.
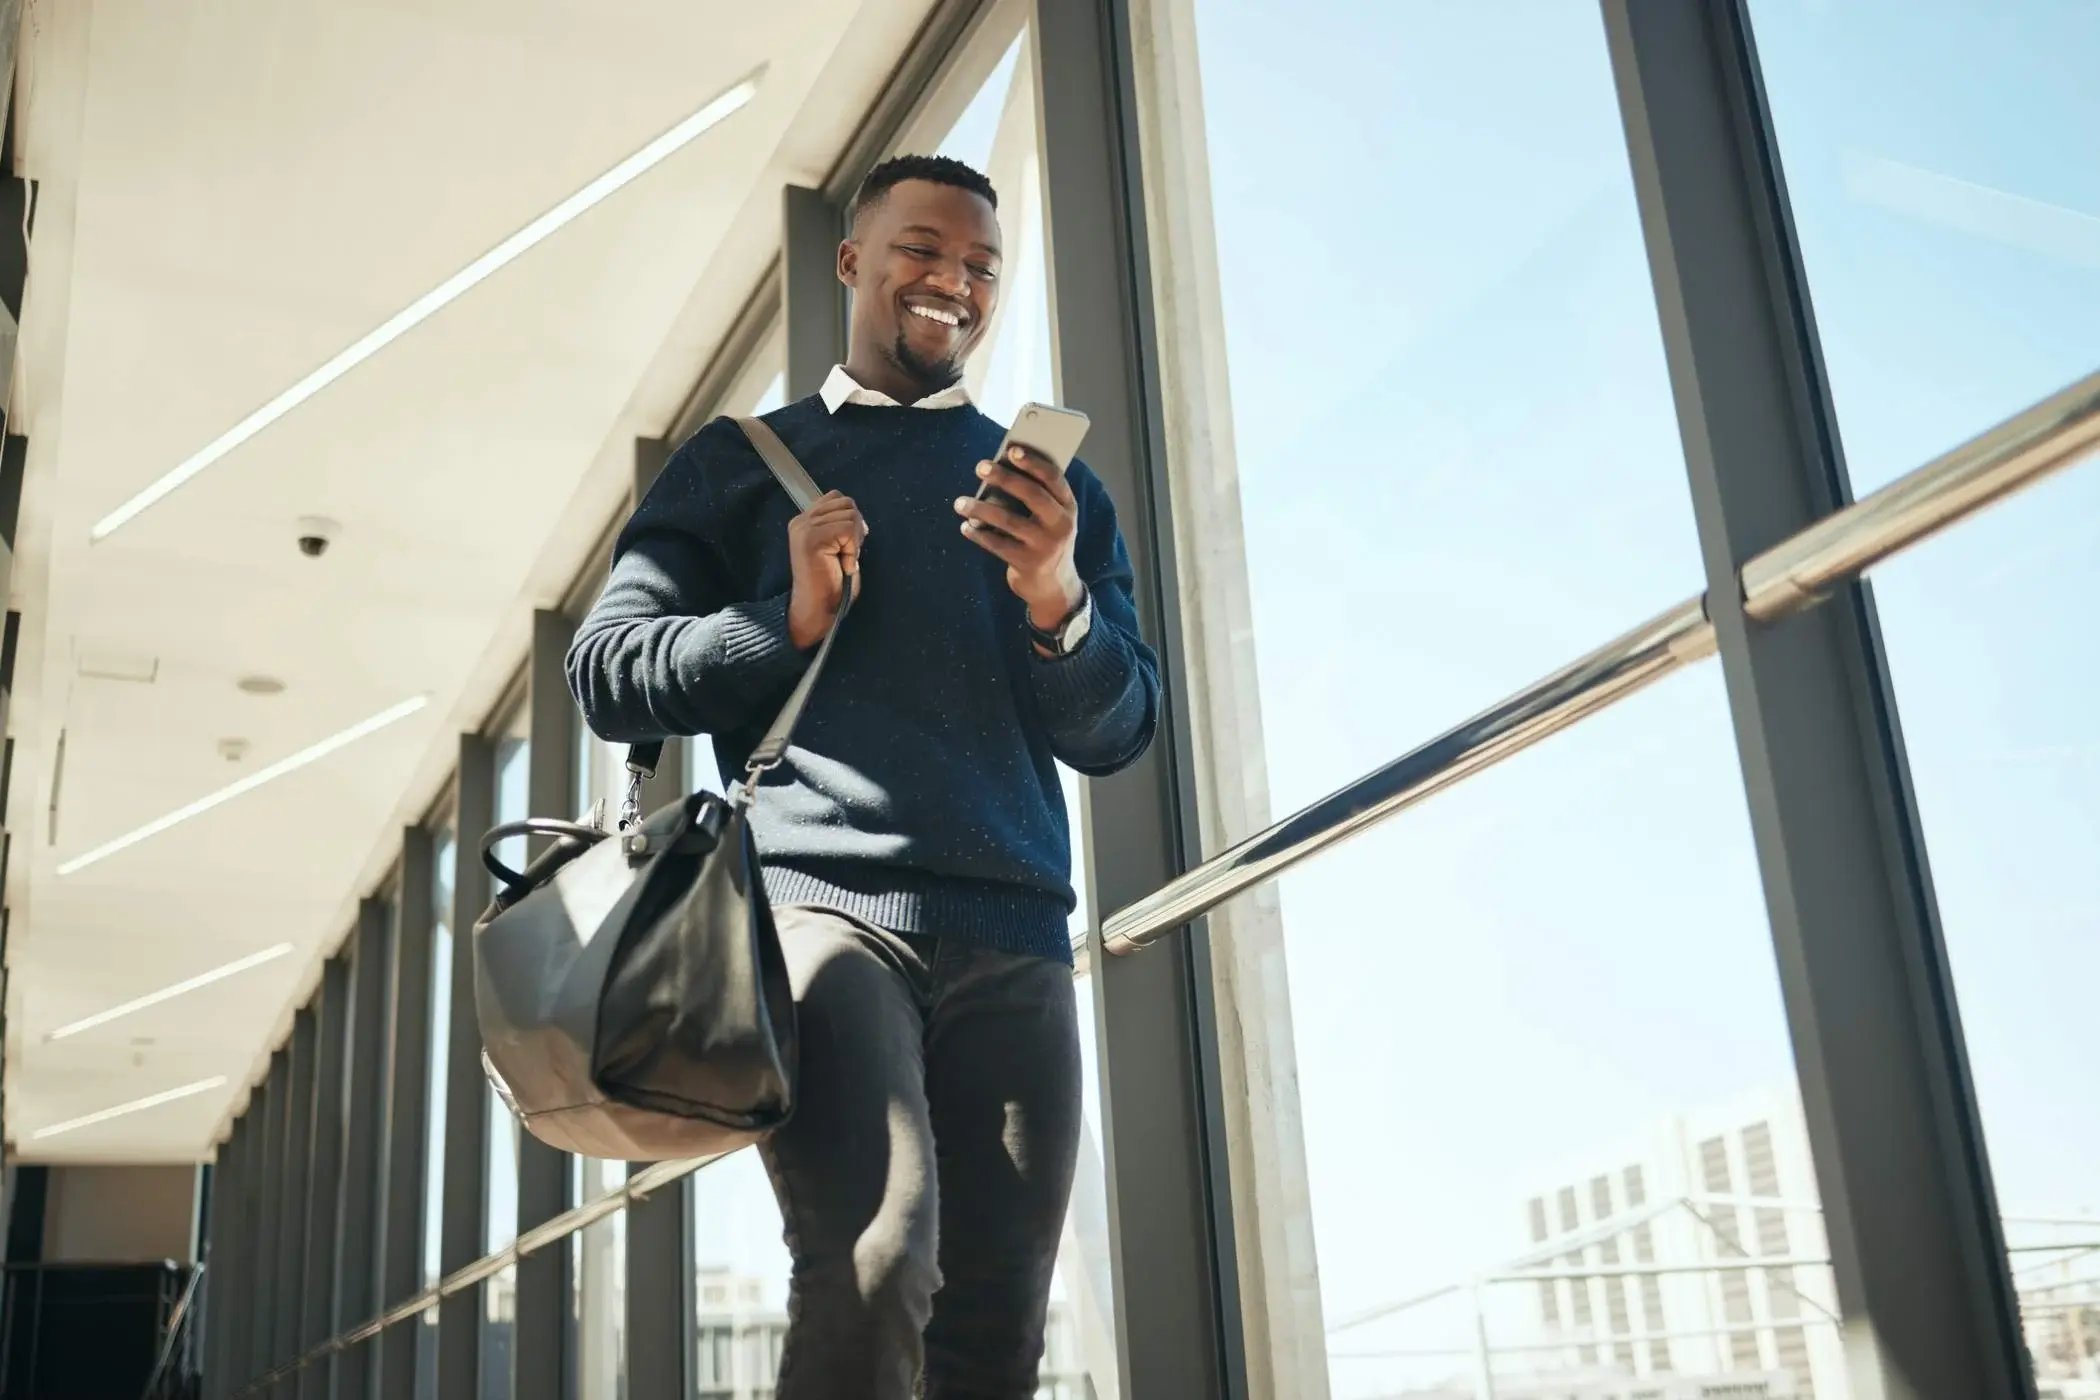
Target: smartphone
pixel 1054 433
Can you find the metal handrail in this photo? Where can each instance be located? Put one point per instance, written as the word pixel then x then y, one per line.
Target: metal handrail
pixel 178 1323
pixel 1789 578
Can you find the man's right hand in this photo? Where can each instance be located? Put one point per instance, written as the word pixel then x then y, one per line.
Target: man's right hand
pixel 823 552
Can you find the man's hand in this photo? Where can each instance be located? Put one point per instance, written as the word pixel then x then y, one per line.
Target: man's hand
pixel 1036 547
pixel 823 552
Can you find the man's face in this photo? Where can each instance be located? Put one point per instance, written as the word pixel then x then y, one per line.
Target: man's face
pixel 924 267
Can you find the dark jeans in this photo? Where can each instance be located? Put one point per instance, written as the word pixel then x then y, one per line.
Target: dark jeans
pixel 924 1176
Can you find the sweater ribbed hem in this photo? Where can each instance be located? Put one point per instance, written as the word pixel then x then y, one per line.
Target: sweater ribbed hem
pixel 1003 918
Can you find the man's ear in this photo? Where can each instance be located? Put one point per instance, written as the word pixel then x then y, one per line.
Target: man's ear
pixel 849 263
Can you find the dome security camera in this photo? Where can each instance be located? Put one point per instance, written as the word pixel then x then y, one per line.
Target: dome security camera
pixel 316 534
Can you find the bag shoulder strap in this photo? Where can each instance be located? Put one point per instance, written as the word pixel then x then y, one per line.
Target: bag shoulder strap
pixel 643 758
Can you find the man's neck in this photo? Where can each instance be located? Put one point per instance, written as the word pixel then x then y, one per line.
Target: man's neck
pixel 886 376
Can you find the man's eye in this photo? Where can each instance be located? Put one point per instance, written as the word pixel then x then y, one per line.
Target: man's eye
pixel 986 271
pixel 918 250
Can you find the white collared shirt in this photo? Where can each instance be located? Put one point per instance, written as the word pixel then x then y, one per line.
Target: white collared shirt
pixel 842 388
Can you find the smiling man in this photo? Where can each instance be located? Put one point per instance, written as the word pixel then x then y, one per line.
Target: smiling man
pixel 914 842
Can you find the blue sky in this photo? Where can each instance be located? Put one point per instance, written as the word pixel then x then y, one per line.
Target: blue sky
pixel 1461 468
pixel 1449 392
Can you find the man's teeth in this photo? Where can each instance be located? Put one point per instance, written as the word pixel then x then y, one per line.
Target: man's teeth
pixel 946 318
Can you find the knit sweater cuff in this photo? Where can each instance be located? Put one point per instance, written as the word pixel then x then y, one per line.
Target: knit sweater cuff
pixel 1081 687
pixel 755 644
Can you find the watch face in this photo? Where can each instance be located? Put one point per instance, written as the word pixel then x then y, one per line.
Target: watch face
pixel 1075 630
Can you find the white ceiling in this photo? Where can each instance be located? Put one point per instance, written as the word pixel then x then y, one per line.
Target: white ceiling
pixel 231 192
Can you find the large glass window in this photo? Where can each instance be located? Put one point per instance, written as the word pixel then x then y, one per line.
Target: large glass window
pixel 1950 224
pixel 1457 450
pixel 1459 464
pixel 500 1225
pixel 445 854
pixel 1519 1179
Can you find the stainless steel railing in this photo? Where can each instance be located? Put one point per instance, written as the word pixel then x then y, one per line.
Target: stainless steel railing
pixel 1789 578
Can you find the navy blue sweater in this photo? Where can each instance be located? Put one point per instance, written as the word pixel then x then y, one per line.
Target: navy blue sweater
pixel 921 793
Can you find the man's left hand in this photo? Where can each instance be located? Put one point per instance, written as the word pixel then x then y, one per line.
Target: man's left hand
pixel 1036 547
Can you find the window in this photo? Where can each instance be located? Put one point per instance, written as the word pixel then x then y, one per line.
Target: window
pixel 1951 234
pixel 500 1223
pixel 444 858
pixel 1459 466
pixel 996 133
pixel 599 1274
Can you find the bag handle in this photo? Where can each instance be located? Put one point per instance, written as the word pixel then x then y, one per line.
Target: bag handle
pixel 643 758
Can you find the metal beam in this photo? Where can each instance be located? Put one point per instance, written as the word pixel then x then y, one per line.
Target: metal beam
pixel 813 299
pixel 466 1087
pixel 1916 1244
pixel 292 1209
pixel 408 1107
pixel 543 1337
pixel 268 1108
pixel 324 1213
pixel 1177 1306
pixel 660 1317
pixel 365 1133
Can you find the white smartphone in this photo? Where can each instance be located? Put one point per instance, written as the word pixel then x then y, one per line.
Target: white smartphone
pixel 1047 431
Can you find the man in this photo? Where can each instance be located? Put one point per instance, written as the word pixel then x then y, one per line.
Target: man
pixel 914 842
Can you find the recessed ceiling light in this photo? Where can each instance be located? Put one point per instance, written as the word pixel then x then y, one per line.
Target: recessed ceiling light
pixel 311 754
pixel 202 1086
pixel 261 685
pixel 435 300
pixel 168 993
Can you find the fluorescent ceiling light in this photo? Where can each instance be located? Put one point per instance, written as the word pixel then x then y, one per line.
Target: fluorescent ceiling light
pixel 301 759
pixel 202 979
pixel 435 300
pixel 202 1086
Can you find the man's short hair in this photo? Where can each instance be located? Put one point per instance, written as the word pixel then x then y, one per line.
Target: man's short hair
pixel 939 169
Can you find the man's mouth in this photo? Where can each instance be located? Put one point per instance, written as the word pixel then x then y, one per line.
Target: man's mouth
pixel 939 314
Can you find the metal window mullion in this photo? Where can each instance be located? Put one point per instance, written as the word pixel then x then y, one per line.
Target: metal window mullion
pixel 1916 1245
pixel 660 1316
pixel 466 1087
pixel 364 1133
pixel 324 1216
pixel 268 1107
pixel 1178 1327
pixel 660 1260
pixel 544 1348
pixel 219 1280
pixel 408 1106
pixel 214 1253
pixel 292 1210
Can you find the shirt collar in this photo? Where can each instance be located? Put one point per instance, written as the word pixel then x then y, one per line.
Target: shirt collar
pixel 842 388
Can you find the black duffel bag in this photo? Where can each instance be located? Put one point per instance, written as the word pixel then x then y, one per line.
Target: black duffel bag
pixel 631 992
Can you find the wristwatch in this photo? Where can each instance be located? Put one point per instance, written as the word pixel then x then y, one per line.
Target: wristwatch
pixel 1064 639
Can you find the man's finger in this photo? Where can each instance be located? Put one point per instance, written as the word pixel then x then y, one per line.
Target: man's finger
pixel 1002 546
pixel 1000 517
pixel 1024 488
pixel 1040 469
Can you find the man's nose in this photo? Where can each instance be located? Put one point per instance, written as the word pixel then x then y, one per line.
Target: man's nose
pixel 950 279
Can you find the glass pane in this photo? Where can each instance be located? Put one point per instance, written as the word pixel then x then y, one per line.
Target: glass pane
pixel 1949 222
pixel 500 1225
pixel 997 134
pixel 1954 256
pixel 1520 1182
pixel 1456 442
pixel 445 860
pixel 599 1270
